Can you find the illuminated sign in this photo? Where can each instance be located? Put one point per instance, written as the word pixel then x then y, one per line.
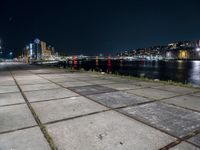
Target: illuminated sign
pixel 37 41
pixel 31 49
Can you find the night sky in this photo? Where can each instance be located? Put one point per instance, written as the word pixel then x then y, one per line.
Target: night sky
pixel 91 27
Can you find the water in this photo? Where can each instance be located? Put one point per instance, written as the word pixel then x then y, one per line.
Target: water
pixel 178 71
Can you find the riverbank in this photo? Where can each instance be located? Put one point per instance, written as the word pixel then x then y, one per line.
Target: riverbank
pixel 53 108
pixel 107 74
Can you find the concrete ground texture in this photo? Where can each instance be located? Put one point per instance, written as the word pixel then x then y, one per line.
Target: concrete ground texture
pixel 46 108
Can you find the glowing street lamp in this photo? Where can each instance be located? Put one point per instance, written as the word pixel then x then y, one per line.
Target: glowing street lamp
pixel 197 49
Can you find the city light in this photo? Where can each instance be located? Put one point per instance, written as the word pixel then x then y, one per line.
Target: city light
pixel 31 49
pixel 197 49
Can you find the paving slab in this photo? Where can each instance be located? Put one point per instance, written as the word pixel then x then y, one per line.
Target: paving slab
pixel 11 98
pixel 196 94
pixel 91 89
pixel 27 77
pixel 27 139
pixel 33 87
pixel 65 108
pixel 122 86
pixel 21 72
pixel 6 78
pixel 99 81
pixel 53 76
pixel 187 101
pixel 15 117
pixel 118 99
pixel 153 93
pixel 148 83
pixel 63 79
pixel 33 96
pixel 79 74
pixel 47 71
pixel 177 89
pixel 3 71
pixel 86 78
pixel 8 89
pixel 195 140
pixel 7 82
pixel 116 78
pixel 74 84
pixel 67 75
pixel 106 131
pixel 32 81
pixel 171 119
pixel 185 146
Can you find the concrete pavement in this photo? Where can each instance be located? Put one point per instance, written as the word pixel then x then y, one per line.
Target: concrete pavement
pixel 48 108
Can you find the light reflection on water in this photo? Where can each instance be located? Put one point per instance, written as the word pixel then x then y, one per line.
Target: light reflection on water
pixel 195 73
pixel 179 71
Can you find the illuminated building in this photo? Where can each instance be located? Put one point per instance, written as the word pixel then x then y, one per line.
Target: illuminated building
pixel 38 50
pixel 198 43
pixel 169 55
pixel 183 54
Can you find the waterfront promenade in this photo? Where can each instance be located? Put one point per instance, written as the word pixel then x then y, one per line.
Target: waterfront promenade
pixel 49 108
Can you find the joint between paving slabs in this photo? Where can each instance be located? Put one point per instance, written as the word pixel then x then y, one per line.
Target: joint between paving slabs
pixel 4 132
pixel 181 107
pixel 12 104
pixel 117 110
pixel 75 92
pixel 177 142
pixel 71 118
pixel 170 145
pixel 152 100
pixel 54 99
pixel 162 98
pixel 113 109
pixel 42 127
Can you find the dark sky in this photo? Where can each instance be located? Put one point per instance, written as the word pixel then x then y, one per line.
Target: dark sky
pixel 98 26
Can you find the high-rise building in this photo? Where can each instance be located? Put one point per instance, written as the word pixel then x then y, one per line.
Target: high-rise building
pixel 38 50
pixel 46 51
pixel 43 45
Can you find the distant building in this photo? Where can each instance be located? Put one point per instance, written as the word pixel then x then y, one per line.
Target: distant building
pixel 38 50
pixel 175 50
pixel 172 45
pixel 197 43
pixel 43 45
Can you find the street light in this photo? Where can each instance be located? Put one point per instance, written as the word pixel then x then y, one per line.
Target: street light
pixel 197 49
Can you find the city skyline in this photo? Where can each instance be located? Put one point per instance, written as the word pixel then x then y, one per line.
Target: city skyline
pixel 90 28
